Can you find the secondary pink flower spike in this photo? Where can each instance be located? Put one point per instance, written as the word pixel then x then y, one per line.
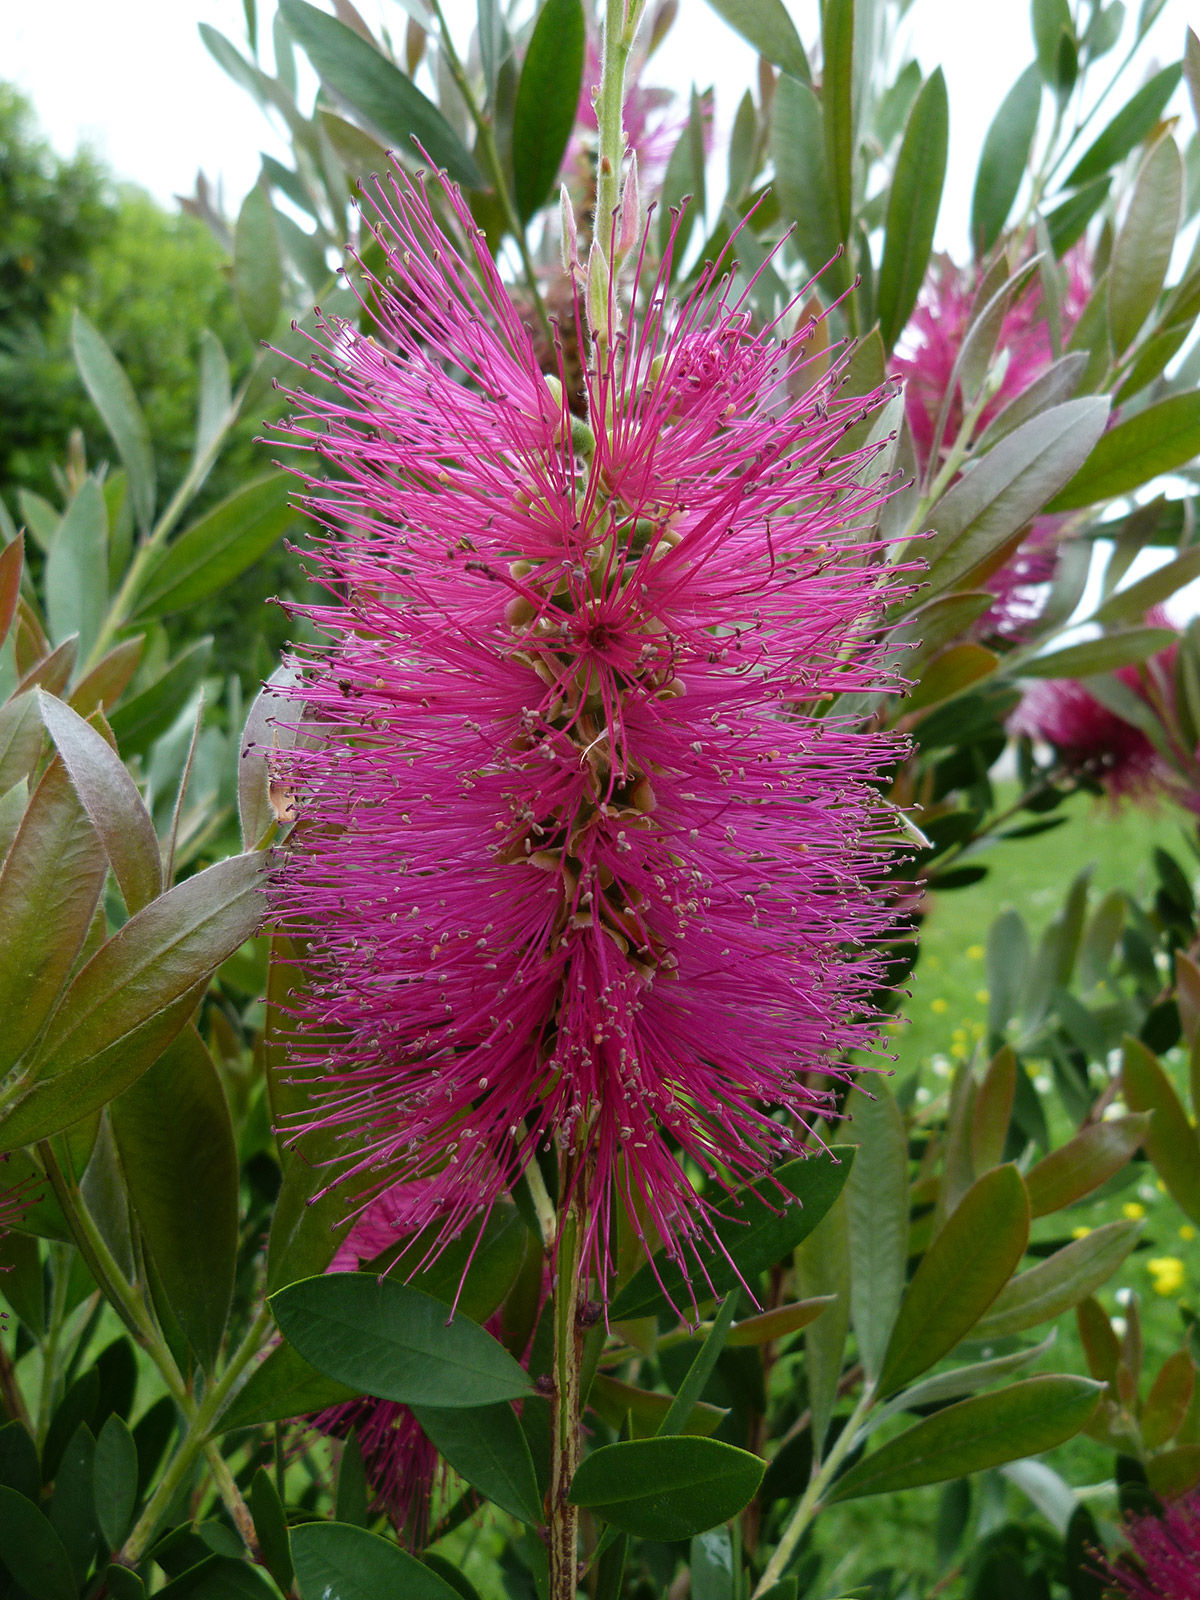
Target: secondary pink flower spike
pixel 578 861
pixel 1166 1555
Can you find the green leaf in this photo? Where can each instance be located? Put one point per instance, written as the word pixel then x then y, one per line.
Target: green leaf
pixel 1104 654
pixel 308 1223
pixel 547 98
pixel 350 1500
pixel 115 1480
pixel 1170 1141
pixel 76 576
pixel 111 799
pixel 486 1446
pixel 271 1529
pixel 216 397
pixel 1142 252
pixel 949 673
pixel 144 718
pixel 700 1371
pixel 913 205
pixel 19 1466
pixel 112 394
pixel 219 547
pixel 32 1551
pixel 767 25
pixel 1083 1163
pixel 49 889
pixel 20 742
pixel 389 101
pixel 758 1226
pixel 1056 384
pixel 837 103
pixel 262 732
pixel 218 1577
pixel 1003 159
pixel 614 1401
pixel 822 1267
pixel 1067 223
pixel 12 565
pixel 474 1272
pixel 1059 1282
pixel 1132 604
pixel 109 678
pixel 395 1342
pixel 175 1138
pixel 1022 1420
pixel 803 183
pixel 72 1509
pixel 666 1488
pixel 877 1207
pixel 1051 19
pixel 132 998
pixel 1128 128
pixel 1007 488
pixel 337 1562
pixel 1159 439
pixel 284 1386
pixel 961 1274
pixel 959 1381
pixel 257 266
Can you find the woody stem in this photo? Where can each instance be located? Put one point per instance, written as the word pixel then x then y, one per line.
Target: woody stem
pixel 564 1422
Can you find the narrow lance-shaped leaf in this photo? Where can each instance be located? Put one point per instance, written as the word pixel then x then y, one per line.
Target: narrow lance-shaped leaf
pixel 1104 654
pixel 124 1007
pixel 1002 160
pixel 1059 1282
pixel 175 1137
pixel 112 394
pixel 1142 252
pixel 76 576
pixel 1157 440
pixel 877 1207
pixel 111 799
pixel 1022 1420
pixel 961 1274
pixel 803 182
pixel 547 98
pixel 257 268
pixel 767 25
pixel 1127 129
pixel 1170 1141
pixel 913 205
pixel 49 889
pixel 837 103
pixel 218 547
pixel 368 81
pixel 1083 1163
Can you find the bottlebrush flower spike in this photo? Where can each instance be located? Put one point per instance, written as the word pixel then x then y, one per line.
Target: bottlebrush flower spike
pixel 578 862
pixel 1166 1554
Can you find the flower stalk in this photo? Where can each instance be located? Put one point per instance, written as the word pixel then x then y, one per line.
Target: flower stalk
pixel 564 1424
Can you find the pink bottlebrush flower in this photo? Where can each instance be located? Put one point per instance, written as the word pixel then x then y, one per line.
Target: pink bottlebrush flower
pixel 926 360
pixel 1165 1553
pixel 577 859
pixel 1096 743
pixel 1090 739
pixel 401 1464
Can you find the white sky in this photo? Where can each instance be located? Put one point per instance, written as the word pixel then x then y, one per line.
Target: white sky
pixel 132 79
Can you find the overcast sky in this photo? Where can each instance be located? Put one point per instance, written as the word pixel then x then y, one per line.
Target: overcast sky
pixel 132 79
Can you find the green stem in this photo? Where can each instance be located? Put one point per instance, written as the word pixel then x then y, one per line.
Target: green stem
pixel 564 1426
pixel 486 143
pixel 121 608
pixel 58 1310
pixel 200 1419
pixel 810 1503
pixel 619 29
pixel 128 1304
